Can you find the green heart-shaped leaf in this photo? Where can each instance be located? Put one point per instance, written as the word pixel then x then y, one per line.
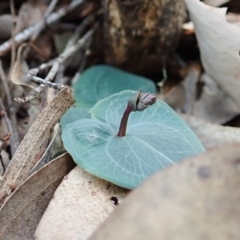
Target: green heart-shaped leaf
pixel 155 139
pixel 101 81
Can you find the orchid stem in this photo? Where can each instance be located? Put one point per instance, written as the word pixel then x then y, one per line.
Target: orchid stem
pixel 124 121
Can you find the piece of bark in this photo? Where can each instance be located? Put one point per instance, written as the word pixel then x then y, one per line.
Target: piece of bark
pixel 22 212
pixel 140 34
pixel 34 143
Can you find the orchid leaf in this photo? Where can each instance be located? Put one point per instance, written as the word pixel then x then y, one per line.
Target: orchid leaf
pixel 74 114
pixel 101 81
pixel 155 139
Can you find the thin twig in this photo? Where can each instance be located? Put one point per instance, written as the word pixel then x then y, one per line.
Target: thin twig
pixel 3 166
pixel 84 53
pixel 28 32
pixel 43 99
pixel 12 125
pixel 79 30
pixel 13 48
pixel 55 86
pixel 33 94
pixel 190 86
pixel 43 66
pixel 6 119
pixel 59 79
pixel 49 10
pixel 13 141
pixel 5 85
pixel 2 147
pixel 164 79
pixel 74 38
pixel 68 52
pixel 35 35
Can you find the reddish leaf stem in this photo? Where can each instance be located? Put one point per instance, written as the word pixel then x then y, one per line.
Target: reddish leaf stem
pixel 123 124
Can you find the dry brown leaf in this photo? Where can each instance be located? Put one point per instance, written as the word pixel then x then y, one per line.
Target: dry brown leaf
pixel 215 3
pixel 20 68
pixel 22 212
pixel 212 135
pixel 183 95
pixel 29 14
pixel 80 204
pixel 233 18
pixel 19 74
pixel 176 97
pixel 219 43
pixel 195 199
pixel 214 104
pixel 34 142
